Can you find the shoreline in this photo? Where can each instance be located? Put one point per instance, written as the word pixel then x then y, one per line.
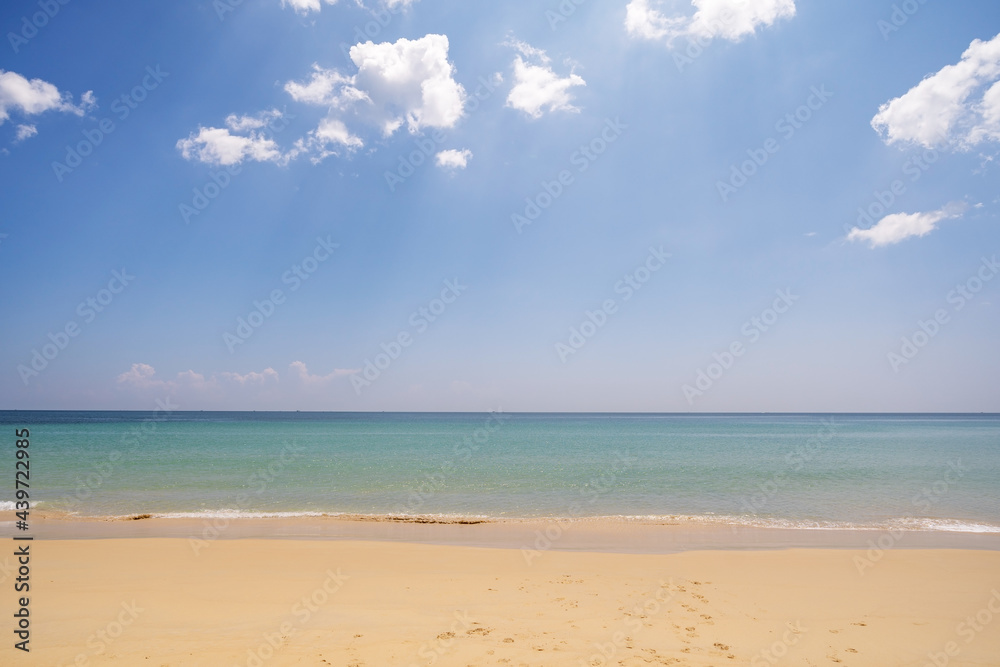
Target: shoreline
pixel 597 536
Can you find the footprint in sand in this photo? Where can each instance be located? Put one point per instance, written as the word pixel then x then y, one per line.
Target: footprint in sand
pixel 863 625
pixel 479 631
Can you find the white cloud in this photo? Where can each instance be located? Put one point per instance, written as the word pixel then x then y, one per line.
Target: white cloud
pixel 407 81
pixel 897 227
pixel 305 6
pixel 298 370
pixel 25 131
pixel 243 123
pixel 946 108
pixel 326 87
pixel 726 19
pixel 35 96
pixel 411 81
pixel 536 85
pixel 140 375
pixel 218 146
pixel 143 376
pixel 453 159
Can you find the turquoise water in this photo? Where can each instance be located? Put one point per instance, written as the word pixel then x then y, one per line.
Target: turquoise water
pixel 820 471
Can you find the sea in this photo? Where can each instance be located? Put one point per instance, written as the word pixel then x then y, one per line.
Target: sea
pixel 918 472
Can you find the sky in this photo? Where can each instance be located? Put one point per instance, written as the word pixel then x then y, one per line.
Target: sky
pixel 586 205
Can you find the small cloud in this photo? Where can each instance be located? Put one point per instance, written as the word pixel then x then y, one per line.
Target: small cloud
pixel 726 19
pixel 453 159
pixel 25 132
pixel 956 107
pixel 897 227
pixel 218 146
pixel 140 375
pixel 810 233
pixel 536 85
pixel 35 96
pixel 305 6
pixel 298 370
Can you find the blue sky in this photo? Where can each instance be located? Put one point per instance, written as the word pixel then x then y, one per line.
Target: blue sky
pixel 622 206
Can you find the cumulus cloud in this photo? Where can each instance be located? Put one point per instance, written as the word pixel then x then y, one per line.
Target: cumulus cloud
pixel 957 107
pixel 897 227
pixel 537 88
pixel 453 159
pixel 725 19
pixel 32 97
pixel 227 146
pixel 411 81
pixel 407 81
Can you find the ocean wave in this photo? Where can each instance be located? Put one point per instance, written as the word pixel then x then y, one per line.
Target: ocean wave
pixel 9 506
pixel 752 521
pixel 908 524
pixel 233 514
